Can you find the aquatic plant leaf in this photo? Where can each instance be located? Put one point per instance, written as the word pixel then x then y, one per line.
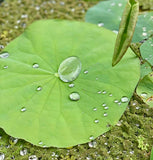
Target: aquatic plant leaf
pixel 109 14
pixel 145 89
pixel 36 105
pixel 146 50
pixel 126 30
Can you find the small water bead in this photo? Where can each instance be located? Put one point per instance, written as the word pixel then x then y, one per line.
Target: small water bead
pixel 100 24
pixel 110 95
pixel 4 55
pixel 106 107
pixel 35 65
pixel 124 99
pixel 2 156
pixel 5 67
pixel 99 92
pixel 71 85
pixel 85 72
pixel 119 103
pixel 92 144
pixel 40 143
pixel 96 121
pixel 104 92
pixel 69 69
pixel 116 101
pixel 104 104
pixel 94 109
pixel 105 114
pixel 144 34
pixel 74 96
pixel 91 138
pixel 113 4
pixel 143 95
pixel 23 109
pixel 13 140
pixel 39 88
pixel 33 157
pixel 144 29
pixel 120 4
pixel 116 32
pixel 23 152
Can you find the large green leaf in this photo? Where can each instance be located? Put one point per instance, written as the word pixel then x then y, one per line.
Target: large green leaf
pixel 108 14
pixel 145 89
pixel 147 50
pixel 50 118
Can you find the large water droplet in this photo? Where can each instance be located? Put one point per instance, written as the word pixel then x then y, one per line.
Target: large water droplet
pixel 106 107
pixel 13 140
pixel 2 156
pixel 33 157
pixel 35 65
pixel 69 69
pixel 85 72
pixel 105 114
pixel 74 96
pixel 23 152
pixel 124 99
pixel 4 55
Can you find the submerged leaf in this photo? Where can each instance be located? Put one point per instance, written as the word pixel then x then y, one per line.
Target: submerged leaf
pixel 37 106
pixel 126 30
pixel 145 89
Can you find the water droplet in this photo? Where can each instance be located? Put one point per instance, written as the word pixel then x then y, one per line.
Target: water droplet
pixel 71 85
pixel 23 109
pixel 85 72
pixel 144 34
pixel 116 32
pixel 124 99
pixel 116 101
pixel 96 78
pixel 106 107
pixel 104 104
pixel 104 92
pixel 69 69
pixel 13 140
pixel 39 88
pixel 119 103
pixel 92 144
pixel 5 67
pixel 100 24
pixel 23 152
pixel 120 4
pixel 137 107
pixel 105 114
pixel 99 92
pixel 33 157
pixel 2 156
pixel 74 96
pixel 94 109
pixel 144 95
pixel 4 55
pixel 113 4
pixel 35 65
pixel 91 137
pixel 40 143
pixel 96 121
pixel 105 143
pixel 110 95
pixel 144 29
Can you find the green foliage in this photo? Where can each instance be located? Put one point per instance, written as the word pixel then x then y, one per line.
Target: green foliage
pixel 109 13
pixel 151 156
pixel 35 103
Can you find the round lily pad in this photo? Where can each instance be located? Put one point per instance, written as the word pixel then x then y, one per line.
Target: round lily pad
pixel 145 89
pixel 36 105
pixel 108 14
